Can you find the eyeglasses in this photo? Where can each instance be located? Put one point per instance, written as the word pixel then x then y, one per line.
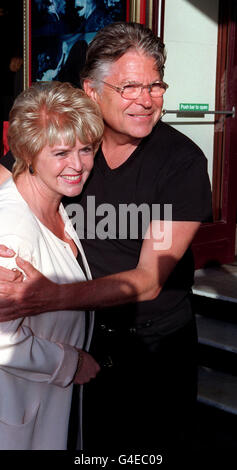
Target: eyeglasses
pixel 132 92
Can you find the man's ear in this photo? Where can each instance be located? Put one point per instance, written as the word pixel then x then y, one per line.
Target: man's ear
pixel 90 90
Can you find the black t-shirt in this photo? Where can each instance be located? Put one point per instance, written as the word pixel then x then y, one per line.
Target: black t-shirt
pixel 7 161
pixel 166 168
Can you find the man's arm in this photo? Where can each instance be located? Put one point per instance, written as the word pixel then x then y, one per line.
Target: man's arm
pixel 142 283
pixel 38 294
pixel 4 174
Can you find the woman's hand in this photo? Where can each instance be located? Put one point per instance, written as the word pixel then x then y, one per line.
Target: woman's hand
pixel 9 275
pixel 87 368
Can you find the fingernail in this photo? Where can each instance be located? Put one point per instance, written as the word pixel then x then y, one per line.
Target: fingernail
pixel 7 252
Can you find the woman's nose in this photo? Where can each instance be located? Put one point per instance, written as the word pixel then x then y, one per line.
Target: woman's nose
pixel 76 161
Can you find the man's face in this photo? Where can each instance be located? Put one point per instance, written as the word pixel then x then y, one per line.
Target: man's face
pixel 80 6
pixel 129 119
pixel 83 6
pixel 51 6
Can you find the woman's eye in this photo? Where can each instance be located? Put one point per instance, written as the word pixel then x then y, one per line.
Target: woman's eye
pixel 87 150
pixel 61 154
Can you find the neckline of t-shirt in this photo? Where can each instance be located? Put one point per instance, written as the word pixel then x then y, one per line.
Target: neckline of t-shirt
pixel 108 171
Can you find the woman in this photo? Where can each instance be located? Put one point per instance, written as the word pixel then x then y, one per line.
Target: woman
pixel 54 132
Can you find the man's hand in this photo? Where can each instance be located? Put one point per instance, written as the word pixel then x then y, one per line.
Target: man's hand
pixel 88 368
pixel 35 295
pixel 10 275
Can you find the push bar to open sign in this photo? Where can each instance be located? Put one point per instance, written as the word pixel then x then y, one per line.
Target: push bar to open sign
pixel 198 112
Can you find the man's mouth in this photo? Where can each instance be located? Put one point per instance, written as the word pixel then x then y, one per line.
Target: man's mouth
pixel 143 115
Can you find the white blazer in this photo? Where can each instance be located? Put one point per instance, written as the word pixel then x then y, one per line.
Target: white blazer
pixel 37 355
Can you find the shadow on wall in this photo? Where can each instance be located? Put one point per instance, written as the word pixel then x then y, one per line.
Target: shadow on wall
pixel 207 8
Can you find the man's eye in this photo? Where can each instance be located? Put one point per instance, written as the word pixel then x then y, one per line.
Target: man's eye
pixel 131 87
pixel 157 86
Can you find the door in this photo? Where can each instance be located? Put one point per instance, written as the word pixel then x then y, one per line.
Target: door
pixel 201 43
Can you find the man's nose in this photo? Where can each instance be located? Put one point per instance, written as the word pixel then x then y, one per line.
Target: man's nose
pixel 145 98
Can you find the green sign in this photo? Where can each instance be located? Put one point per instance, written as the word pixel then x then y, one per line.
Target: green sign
pixel 193 107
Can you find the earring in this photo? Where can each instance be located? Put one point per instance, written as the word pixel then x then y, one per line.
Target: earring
pixel 31 169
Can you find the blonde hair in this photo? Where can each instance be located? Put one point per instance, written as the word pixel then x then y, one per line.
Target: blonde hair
pixel 47 114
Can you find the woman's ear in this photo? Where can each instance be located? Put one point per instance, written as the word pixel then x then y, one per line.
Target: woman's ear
pixel 90 90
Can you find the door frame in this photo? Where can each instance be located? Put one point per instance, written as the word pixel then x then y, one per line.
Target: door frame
pixel 215 242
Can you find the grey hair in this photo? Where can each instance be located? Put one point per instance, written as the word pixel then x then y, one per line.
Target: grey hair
pixel 47 114
pixel 113 41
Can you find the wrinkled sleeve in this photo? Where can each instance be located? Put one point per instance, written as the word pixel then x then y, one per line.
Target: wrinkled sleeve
pixel 21 352
pixel 186 188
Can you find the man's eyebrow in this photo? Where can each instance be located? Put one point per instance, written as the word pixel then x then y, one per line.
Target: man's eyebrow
pixel 133 82
pixel 130 82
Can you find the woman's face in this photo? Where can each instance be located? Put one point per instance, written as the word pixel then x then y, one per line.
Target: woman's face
pixel 61 170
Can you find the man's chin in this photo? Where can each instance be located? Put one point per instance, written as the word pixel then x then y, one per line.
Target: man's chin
pixel 142 129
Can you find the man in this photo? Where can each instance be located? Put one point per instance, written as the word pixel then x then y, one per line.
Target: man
pixel 145 337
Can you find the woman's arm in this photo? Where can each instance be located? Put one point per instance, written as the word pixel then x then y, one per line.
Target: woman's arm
pixel 33 358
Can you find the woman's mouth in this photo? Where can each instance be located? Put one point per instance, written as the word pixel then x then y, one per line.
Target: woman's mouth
pixel 72 179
